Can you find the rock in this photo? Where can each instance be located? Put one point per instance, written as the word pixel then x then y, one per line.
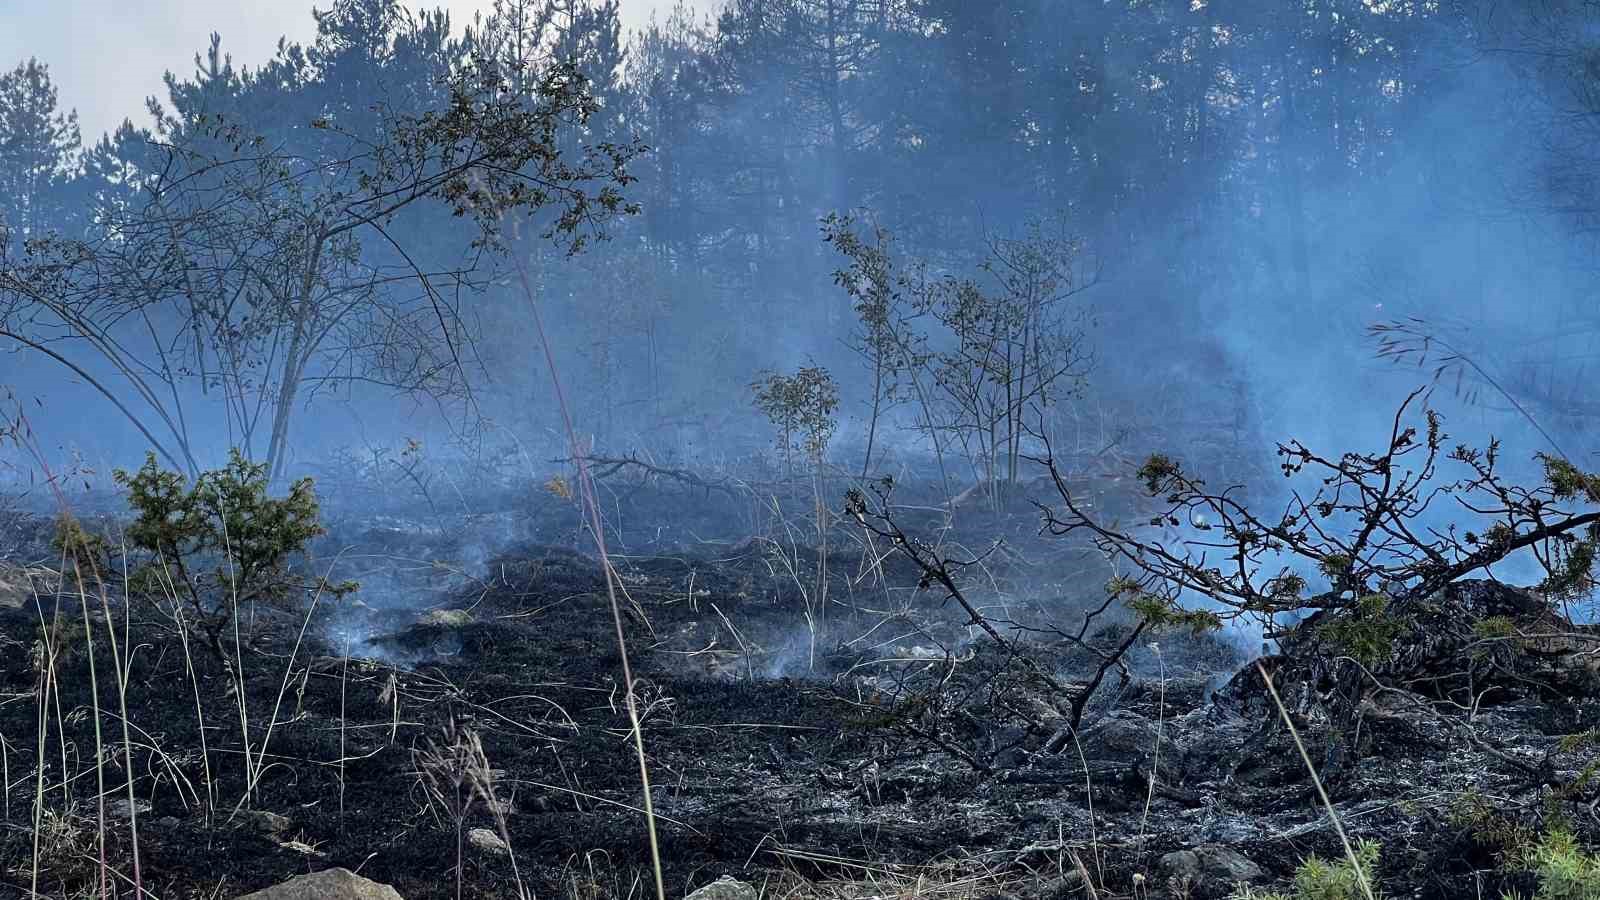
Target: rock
pixel 486 840
pixel 1122 748
pixel 1121 735
pixel 725 888
pixel 1228 866
pixel 1206 872
pixel 118 809
pixel 1067 885
pixel 261 821
pixel 329 884
pixel 446 618
pixel 18 585
pixel 1180 865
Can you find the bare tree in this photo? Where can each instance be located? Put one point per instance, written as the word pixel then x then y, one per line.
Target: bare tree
pixel 892 350
pixel 1363 580
pixel 980 356
pixel 1010 349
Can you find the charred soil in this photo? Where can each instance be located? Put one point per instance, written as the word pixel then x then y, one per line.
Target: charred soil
pixel 887 733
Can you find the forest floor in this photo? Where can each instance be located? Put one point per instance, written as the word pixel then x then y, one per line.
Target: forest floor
pixel 888 748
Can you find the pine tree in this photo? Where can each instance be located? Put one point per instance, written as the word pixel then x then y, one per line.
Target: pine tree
pixel 39 148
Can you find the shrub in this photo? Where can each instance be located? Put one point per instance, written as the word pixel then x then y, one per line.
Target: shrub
pixel 1368 633
pixel 1564 870
pixel 208 550
pixel 1364 521
pixel 802 407
pixel 1317 879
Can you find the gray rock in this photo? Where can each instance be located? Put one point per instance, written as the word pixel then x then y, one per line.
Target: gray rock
pixel 1067 886
pixel 261 821
pixel 18 585
pixel 446 618
pixel 1121 735
pixel 1229 866
pixel 1209 871
pixel 329 884
pixel 486 840
pixel 725 888
pixel 119 809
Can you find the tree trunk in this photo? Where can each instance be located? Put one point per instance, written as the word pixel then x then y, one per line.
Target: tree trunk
pixel 294 361
pixel 872 424
pixel 1294 197
pixel 836 178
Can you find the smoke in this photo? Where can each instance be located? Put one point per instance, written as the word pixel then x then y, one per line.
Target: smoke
pixel 1236 284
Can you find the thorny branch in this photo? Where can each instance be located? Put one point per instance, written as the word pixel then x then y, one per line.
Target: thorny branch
pixel 939 569
pixel 1367 526
pixel 601 467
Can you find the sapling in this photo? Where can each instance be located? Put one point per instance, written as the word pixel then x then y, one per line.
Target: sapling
pixel 221 543
pixel 802 406
pixel 983 353
pixel 877 284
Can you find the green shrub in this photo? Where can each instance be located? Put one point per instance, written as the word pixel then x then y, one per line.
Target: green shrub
pixel 1367 631
pixel 206 551
pixel 802 407
pixel 1317 879
pixel 1493 826
pixel 1565 871
pixel 1559 864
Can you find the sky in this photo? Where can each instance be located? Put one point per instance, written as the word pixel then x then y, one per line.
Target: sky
pixel 107 56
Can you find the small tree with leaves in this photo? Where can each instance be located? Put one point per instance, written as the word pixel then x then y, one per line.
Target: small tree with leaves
pixel 260 260
pixel 210 549
pixel 1017 346
pixel 802 406
pixel 982 354
pixel 885 338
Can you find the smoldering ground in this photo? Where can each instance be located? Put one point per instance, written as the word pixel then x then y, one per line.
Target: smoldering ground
pixel 1197 214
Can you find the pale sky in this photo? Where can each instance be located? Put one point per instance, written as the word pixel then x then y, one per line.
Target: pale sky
pixel 106 56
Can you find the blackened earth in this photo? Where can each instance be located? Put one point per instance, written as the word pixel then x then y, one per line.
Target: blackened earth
pixel 888 731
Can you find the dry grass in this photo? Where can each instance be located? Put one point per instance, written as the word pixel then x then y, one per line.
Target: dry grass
pixel 457 779
pixel 613 582
pixel 868 880
pixel 1362 875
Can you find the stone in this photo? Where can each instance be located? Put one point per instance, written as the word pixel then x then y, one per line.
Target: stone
pixel 1121 735
pixel 1066 886
pixel 725 888
pixel 1228 866
pixel 261 821
pixel 119 808
pixel 1207 872
pixel 486 840
pixel 446 618
pixel 1180 863
pixel 329 884
pixel 19 585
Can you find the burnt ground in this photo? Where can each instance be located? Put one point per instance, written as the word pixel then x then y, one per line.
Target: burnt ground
pixel 889 739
